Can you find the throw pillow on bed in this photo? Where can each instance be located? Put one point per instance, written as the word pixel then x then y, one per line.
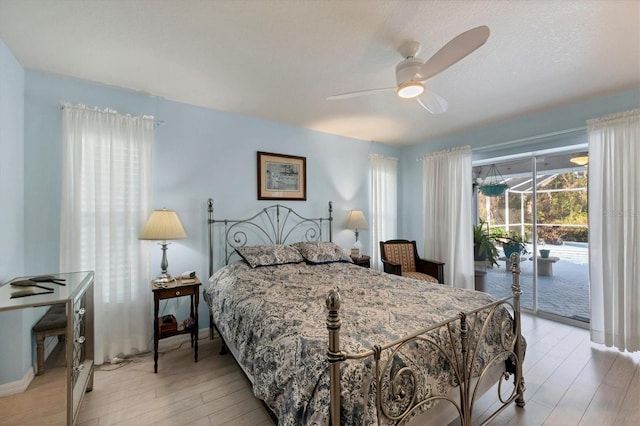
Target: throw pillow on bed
pixel 321 252
pixel 269 255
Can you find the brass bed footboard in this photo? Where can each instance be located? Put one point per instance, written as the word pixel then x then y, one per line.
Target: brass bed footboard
pixel 403 389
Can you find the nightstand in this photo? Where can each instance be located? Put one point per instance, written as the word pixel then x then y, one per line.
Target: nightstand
pixel 364 261
pixel 178 288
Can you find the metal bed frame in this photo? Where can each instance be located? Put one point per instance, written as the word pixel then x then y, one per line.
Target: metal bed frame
pixel 398 390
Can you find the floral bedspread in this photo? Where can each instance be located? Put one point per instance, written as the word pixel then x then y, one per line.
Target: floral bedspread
pixel 275 317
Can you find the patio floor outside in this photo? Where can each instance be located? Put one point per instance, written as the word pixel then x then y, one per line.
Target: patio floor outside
pixel 566 293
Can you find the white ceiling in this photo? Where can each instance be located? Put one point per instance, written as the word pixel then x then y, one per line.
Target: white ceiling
pixel 280 59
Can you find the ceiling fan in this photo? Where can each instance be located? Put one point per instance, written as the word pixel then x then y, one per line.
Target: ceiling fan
pixel 412 72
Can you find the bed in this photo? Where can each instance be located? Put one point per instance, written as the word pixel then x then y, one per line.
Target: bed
pixel 324 341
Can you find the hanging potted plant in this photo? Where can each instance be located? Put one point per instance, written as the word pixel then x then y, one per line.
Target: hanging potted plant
pixel 493 185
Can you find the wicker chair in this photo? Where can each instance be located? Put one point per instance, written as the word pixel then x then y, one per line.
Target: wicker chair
pixel 400 257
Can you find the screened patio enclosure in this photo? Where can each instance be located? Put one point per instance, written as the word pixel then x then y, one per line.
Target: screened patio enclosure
pixel 546 204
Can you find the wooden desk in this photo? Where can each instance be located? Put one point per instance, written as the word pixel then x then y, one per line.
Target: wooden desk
pixel 177 288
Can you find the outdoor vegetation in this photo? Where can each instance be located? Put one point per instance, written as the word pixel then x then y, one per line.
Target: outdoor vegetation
pixel 484 247
pixel 562 210
pixel 486 242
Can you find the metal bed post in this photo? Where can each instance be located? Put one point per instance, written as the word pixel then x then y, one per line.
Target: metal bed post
pixel 516 290
pixel 334 355
pixel 210 224
pixel 465 402
pixel 330 220
pixel 210 230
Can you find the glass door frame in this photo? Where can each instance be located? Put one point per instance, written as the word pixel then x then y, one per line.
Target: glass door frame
pixel 533 156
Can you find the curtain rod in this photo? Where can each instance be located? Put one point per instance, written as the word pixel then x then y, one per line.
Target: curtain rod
pixel 525 139
pixel 64 105
pixel 529 138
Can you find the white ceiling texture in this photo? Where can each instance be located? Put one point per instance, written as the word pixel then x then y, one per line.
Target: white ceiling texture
pixel 280 59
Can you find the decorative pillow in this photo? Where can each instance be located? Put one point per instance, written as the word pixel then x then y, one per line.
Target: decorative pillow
pixel 321 252
pixel 269 255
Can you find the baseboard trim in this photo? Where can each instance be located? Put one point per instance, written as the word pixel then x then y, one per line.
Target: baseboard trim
pixel 18 386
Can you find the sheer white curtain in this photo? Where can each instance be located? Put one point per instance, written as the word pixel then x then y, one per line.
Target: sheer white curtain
pixel 106 192
pixel 448 216
pixel 384 203
pixel 614 230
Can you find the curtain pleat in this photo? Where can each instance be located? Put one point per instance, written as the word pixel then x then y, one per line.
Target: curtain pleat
pixel 614 230
pixel 106 197
pixel 384 203
pixel 447 211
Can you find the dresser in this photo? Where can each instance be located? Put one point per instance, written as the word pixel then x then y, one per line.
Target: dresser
pixel 74 291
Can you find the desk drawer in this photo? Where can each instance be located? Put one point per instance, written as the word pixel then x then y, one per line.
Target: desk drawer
pixel 167 293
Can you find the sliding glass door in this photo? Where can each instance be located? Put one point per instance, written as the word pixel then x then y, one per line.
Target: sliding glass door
pixel 545 205
pixel 562 232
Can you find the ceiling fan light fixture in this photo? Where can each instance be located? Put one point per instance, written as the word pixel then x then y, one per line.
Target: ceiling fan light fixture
pixel 580 160
pixel 410 89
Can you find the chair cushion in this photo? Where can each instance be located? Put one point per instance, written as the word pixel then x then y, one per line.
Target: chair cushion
pixel 420 276
pixel 402 254
pixel 54 319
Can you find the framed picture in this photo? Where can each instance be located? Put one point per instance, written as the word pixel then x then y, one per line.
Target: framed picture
pixel 281 177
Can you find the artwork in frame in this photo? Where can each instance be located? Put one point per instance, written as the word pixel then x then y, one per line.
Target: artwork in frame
pixel 281 177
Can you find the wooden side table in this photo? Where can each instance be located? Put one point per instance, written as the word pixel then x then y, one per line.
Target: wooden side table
pixel 178 288
pixel 364 261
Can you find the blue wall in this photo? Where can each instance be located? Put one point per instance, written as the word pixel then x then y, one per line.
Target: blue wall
pixel 198 153
pixel 15 355
pixel 11 165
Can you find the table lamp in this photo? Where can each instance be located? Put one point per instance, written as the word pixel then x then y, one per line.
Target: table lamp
pixel 355 221
pixel 163 225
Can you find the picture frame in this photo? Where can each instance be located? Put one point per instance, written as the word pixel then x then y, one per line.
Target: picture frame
pixel 281 177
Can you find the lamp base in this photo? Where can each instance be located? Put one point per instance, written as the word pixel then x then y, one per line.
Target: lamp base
pixel 163 279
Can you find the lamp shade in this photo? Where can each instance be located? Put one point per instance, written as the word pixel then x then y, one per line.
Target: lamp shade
pixel 163 225
pixel 356 220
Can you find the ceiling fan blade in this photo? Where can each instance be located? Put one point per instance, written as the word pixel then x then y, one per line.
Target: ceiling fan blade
pixel 358 93
pixel 454 51
pixel 433 102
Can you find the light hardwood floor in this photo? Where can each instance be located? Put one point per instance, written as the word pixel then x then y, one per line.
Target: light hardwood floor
pixel 45 403
pixel 569 381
